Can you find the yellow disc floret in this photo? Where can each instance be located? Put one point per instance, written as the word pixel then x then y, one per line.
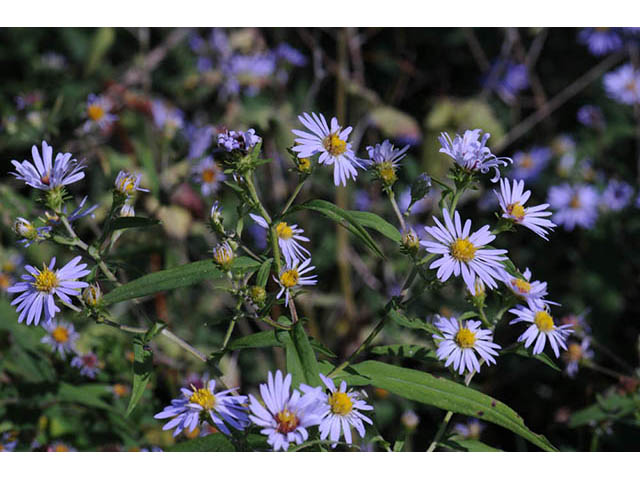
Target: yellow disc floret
pixel 387 173
pixel 304 165
pixel 287 421
pixel 46 281
pixel 208 175
pixel 95 112
pixel 521 285
pixel 543 321
pixel 204 398
pixel 340 403
pixel 289 278
pixel 465 338
pixel 284 231
pixel 334 145
pixel 516 210
pixel 60 334
pixel 574 352
pixel 462 249
pixel 575 202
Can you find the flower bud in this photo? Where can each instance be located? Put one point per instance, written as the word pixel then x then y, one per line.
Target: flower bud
pixel 257 294
pixel 420 188
pixel 304 165
pixel 127 211
pixel 410 241
pixel 25 229
pixel 223 255
pixel 92 295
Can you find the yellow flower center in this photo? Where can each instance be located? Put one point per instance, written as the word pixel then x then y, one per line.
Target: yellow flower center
pixel 334 145
pixel 204 398
pixel 340 403
pixel 521 285
pixel 4 281
pixel 8 267
pixel 223 256
pixel 120 390
pixel 60 334
pixel 575 202
pixel 127 184
pixel 95 112
pixel 465 338
pixel 289 278
pixel 284 231
pixel 208 175
pixel 543 321
pixel 387 173
pixel 462 249
pixel 191 434
pixel 46 281
pixel 287 421
pixel 574 352
pixel 630 85
pixel 516 210
pixel 526 162
pixel 304 165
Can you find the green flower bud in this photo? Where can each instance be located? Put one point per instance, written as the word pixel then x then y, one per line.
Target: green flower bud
pixel 257 294
pixel 92 295
pixel 420 188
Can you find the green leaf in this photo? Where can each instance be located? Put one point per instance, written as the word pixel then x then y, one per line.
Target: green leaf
pixel 263 273
pixel 344 218
pixel 413 323
pixel 87 395
pixel 377 223
pixel 348 375
pixel 306 354
pixel 292 359
pixel 121 223
pixel 321 348
pixel 256 340
pixel 176 277
pixel 612 406
pixel 461 444
pixel 101 43
pixel 216 442
pixel 523 352
pixel 447 395
pixel 142 369
pixel 415 352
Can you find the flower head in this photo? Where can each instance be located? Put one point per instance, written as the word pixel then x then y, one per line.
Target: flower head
pixel 591 116
pixel 470 430
pixel 99 113
pixel 340 409
pixel 331 143
pixel 289 237
pixel 166 117
pixel 37 289
pixel 575 205
pixel 128 183
pixel 87 363
pixel 61 336
pixel 29 233
pixel 284 415
pixel 471 153
pixel 616 196
pixel 512 200
pixel 384 160
pixel 46 173
pixel 601 40
pixel 60 447
pixel 575 354
pixel 527 165
pixel 542 328
pixel 197 406
pixel 292 278
pixel 223 255
pixel 240 141
pixel 464 253
pixel 208 174
pixel 531 292
pixel 8 442
pixel 623 84
pixel 460 342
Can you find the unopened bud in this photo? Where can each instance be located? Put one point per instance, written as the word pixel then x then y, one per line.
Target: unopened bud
pixel 411 241
pixel 223 255
pixel 25 229
pixel 258 294
pixel 420 188
pixel 92 295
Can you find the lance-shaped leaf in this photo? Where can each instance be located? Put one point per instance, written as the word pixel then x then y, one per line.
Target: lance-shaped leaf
pixel 142 369
pixel 447 395
pixel 377 223
pixel 523 352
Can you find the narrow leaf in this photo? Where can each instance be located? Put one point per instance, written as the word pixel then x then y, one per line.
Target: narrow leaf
pixel 307 355
pixel 377 223
pixel 263 273
pixel 121 223
pixel 142 369
pixel 523 352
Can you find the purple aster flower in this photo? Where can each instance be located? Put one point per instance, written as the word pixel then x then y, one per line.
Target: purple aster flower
pixel 575 205
pixel 515 79
pixel 575 354
pixel 600 40
pixel 616 196
pixel 87 363
pixel 542 328
pixel 61 337
pixel 198 406
pixel 384 159
pixel 128 183
pixel 37 289
pixel 208 174
pixel 461 341
pixel 48 174
pixel 243 141
pixel 464 253
pixel 292 278
pixel 60 447
pixel 528 165
pixel 98 113
pixel 330 143
pixel 286 52
pixel 339 410
pixel 286 415
pixel 289 238
pixel 200 139
pixel 471 153
pixel 166 117
pixel 29 233
pixel 591 116
pixel 8 442
pixel 623 84
pixel 512 200
pixel 531 292
pixel 79 212
pixel 470 430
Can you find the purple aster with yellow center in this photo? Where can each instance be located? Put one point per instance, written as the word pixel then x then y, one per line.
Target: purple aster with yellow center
pixel 293 277
pixel 87 363
pixel 208 174
pixel 61 337
pixel 575 205
pixel 38 289
pixel 527 165
pixel 289 237
pixel 99 113
pixel 47 173
pixel 541 329
pixel 623 84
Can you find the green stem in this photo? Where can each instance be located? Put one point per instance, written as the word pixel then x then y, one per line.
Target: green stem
pixel 227 336
pixel 394 204
pixel 251 188
pixel 293 196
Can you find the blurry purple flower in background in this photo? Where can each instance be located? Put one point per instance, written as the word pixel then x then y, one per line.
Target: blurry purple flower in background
pixel 508 79
pixel 99 113
pixel 53 61
pixel 591 116
pixel 600 40
pixel 166 117
pixel 200 139
pixel 623 84
pixel 87 363
pixel 527 165
pixel 362 200
pixel 563 144
pixel 616 195
pixel 421 206
pixel 286 52
pixel 574 205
